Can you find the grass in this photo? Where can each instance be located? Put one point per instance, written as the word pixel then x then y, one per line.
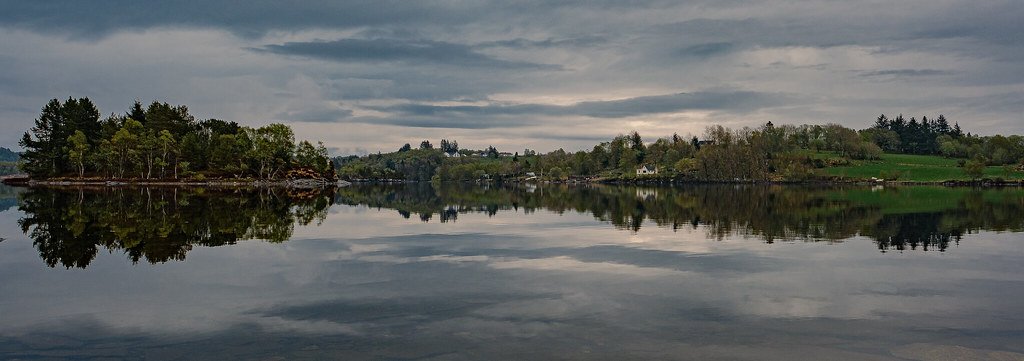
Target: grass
pixel 924 199
pixel 919 168
pixel 900 200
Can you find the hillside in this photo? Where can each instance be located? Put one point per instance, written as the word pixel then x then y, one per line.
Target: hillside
pixel 7 155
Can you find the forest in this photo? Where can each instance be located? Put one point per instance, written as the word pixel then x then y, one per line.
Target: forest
pixel 161 142
pixel 765 153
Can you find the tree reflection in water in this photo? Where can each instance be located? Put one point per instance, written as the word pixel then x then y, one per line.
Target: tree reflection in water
pixel 898 218
pixel 69 226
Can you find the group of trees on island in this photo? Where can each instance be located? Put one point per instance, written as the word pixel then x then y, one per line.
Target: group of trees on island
pixel 768 152
pixel 161 141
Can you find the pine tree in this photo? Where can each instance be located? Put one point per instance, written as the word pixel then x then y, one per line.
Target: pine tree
pixel 136 112
pixel 44 143
pixel 942 125
pixel 883 123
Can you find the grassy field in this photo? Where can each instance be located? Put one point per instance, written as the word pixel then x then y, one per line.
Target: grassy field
pixel 921 168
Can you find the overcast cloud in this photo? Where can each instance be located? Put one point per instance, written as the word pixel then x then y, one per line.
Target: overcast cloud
pixel 372 75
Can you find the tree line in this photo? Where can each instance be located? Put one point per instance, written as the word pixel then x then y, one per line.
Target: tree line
pixel 161 141
pixel 765 153
pixel 937 137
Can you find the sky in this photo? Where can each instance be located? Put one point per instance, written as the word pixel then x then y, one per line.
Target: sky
pixel 368 76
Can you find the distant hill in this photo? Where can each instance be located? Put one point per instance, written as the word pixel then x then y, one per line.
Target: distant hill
pixel 7 155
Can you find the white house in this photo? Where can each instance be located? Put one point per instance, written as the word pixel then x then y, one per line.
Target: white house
pixel 647 169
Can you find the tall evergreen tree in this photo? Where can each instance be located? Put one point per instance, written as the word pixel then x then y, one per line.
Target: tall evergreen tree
pixel 163 116
pixel 136 112
pixel 45 142
pixel 82 114
pixel 882 122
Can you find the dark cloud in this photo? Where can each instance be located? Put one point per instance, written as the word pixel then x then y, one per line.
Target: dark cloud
pixel 995 24
pixel 520 115
pixel 103 17
pixel 656 104
pixel 904 72
pixel 707 50
pixel 249 62
pixel 327 115
pixel 450 122
pixel 734 101
pixel 520 43
pixel 392 50
pixel 93 19
pixel 387 83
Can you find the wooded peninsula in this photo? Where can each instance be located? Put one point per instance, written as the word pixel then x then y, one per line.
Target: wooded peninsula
pixel 163 143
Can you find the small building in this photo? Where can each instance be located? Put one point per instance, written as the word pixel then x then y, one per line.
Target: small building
pixel 647 170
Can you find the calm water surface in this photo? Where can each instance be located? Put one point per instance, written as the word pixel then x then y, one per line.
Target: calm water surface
pixel 524 272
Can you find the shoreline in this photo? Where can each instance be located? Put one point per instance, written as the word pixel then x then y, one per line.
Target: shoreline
pixel 663 182
pixel 314 183
pixel 293 183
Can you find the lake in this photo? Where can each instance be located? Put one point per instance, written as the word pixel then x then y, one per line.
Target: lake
pixel 513 272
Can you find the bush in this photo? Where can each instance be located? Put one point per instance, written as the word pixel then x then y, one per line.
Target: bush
pixel 974 168
pixel 865 151
pixel 837 162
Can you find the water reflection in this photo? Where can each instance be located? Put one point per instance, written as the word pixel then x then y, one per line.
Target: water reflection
pixel 70 226
pixel 493 282
pixel 926 218
pixel 8 197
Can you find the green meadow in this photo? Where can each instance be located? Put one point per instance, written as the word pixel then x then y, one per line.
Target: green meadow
pixel 919 168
